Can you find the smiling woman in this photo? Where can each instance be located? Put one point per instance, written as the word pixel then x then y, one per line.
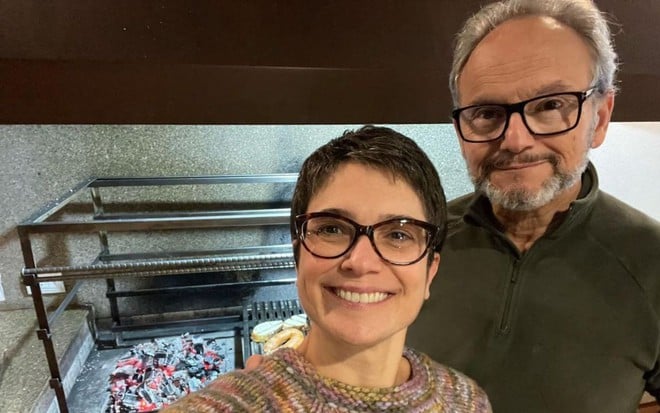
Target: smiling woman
pixel 327 286
pixel 370 214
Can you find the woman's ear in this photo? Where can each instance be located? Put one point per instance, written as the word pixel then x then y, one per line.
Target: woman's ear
pixel 432 270
pixel 296 251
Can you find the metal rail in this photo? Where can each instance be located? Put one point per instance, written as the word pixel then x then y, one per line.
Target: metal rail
pixel 194 180
pixel 279 216
pixel 161 267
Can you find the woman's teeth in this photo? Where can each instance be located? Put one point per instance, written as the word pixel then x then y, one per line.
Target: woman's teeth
pixel 362 298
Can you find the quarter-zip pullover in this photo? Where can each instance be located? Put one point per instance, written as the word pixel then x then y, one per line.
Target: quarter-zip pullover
pixel 571 325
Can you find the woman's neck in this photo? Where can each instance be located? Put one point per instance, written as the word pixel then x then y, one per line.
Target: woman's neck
pixel 381 365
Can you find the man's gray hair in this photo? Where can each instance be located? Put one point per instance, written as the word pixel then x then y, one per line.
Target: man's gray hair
pixel 581 15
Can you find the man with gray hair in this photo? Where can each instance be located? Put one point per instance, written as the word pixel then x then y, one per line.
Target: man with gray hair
pixel 548 293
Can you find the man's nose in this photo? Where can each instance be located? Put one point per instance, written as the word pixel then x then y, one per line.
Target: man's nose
pixel 517 137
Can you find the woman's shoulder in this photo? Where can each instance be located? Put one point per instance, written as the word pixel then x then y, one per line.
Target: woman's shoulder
pixel 264 388
pixel 457 390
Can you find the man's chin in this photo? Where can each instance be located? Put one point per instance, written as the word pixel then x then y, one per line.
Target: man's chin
pixel 519 195
pixel 517 198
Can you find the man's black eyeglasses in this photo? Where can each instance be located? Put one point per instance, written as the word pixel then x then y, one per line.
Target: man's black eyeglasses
pixel 543 115
pixel 399 241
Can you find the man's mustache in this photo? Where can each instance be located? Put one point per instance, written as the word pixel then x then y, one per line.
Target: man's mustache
pixel 505 159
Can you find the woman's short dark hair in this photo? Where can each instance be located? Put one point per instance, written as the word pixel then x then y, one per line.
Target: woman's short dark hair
pixel 381 148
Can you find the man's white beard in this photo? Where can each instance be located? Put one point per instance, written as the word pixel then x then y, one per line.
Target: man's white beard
pixel 521 199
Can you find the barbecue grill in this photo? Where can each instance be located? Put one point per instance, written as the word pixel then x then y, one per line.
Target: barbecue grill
pixel 168 277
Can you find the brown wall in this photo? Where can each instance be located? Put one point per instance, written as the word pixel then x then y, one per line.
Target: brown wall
pixel 252 61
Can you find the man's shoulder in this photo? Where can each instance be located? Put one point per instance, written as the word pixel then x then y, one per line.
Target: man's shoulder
pixel 457 207
pixel 462 201
pixel 630 237
pixel 613 216
pixel 624 232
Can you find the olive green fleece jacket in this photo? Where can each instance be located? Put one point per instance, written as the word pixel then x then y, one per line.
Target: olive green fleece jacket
pixel 572 325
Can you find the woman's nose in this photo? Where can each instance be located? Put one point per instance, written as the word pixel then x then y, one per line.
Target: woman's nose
pixel 362 258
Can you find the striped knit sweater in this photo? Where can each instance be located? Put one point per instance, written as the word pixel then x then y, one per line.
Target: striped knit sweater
pixel 287 382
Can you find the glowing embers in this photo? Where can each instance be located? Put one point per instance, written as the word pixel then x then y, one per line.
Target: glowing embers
pixel 154 374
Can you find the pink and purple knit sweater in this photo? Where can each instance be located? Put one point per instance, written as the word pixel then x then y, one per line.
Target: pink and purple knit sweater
pixel 287 382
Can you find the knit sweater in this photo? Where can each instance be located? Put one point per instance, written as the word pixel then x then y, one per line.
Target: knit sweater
pixel 287 382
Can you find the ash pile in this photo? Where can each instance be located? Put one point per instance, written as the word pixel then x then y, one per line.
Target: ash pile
pixel 155 374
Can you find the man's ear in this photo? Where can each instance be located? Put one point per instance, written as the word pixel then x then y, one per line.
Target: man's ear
pixel 431 273
pixel 458 136
pixel 603 111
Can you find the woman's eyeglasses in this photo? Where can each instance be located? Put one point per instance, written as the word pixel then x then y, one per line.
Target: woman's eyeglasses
pixel 399 241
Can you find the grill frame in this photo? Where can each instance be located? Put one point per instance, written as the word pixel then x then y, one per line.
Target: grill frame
pixel 110 266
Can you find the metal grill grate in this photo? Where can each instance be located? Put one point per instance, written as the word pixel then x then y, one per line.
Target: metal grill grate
pixel 259 312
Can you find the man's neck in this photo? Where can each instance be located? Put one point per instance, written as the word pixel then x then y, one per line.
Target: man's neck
pixel 524 228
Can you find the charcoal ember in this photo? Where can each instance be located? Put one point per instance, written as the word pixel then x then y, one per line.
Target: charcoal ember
pixel 194 384
pixel 155 374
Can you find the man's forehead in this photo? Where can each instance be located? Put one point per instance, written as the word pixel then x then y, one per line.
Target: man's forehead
pixel 523 58
pixel 487 95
